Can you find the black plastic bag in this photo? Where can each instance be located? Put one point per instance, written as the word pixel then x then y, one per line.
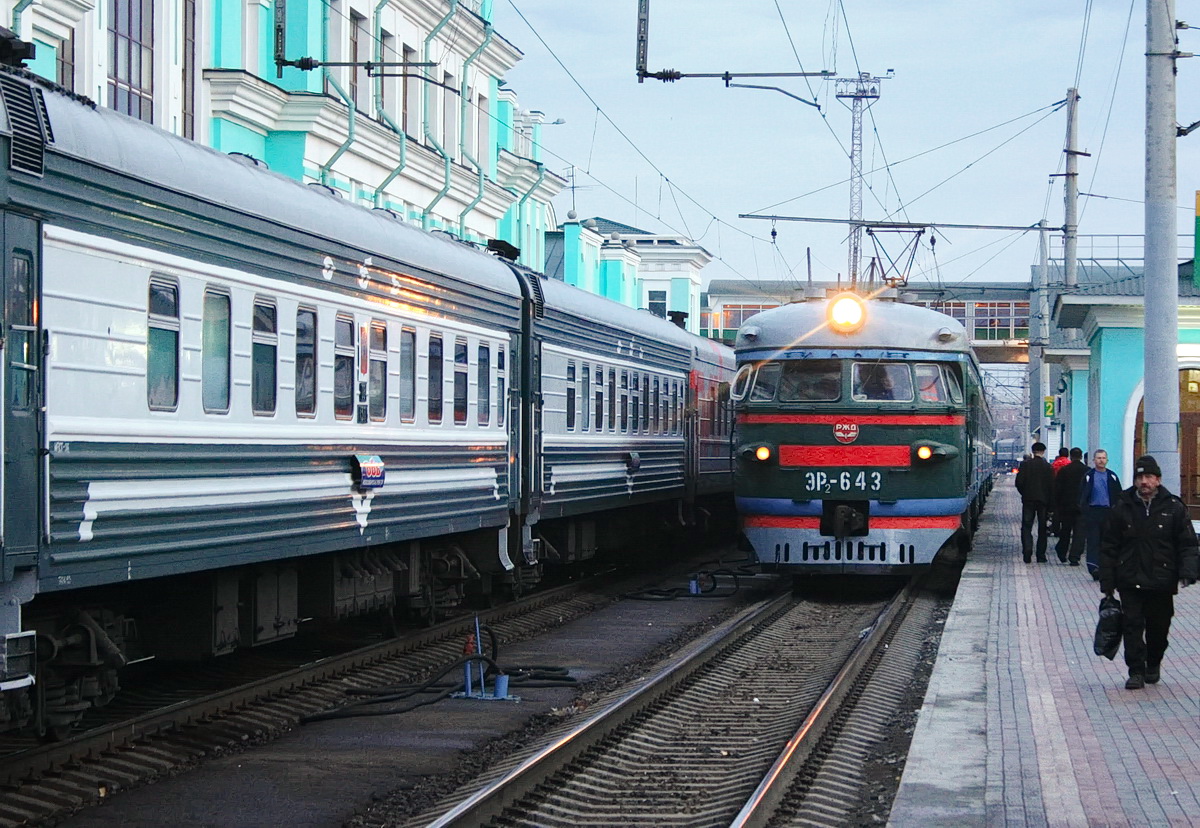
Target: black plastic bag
pixel 1108 628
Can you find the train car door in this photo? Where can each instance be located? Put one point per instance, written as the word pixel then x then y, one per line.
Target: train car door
pixel 20 489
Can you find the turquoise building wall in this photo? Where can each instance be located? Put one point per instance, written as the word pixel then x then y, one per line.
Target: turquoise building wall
pixel 1116 371
pixel 45 61
pixel 1077 389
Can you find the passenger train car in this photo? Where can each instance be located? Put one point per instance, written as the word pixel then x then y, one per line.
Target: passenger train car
pixel 232 401
pixel 863 438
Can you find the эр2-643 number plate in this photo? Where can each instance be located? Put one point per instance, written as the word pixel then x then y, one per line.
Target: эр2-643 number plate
pixel 843 482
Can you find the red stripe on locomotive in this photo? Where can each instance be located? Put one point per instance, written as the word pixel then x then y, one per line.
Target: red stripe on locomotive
pixel 859 419
pixel 929 522
pixel 845 456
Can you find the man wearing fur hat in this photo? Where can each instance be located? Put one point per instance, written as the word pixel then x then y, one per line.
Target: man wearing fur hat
pixel 1147 551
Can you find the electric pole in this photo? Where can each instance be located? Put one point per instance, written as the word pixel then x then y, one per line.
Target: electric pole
pixel 1071 194
pixel 857 91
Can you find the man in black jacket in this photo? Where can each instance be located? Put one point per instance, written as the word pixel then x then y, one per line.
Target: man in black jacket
pixel 1148 548
pixel 1067 481
pixel 1035 482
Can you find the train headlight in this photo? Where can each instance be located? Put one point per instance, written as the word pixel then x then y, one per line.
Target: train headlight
pixel 927 451
pixel 756 453
pixel 847 313
pixel 762 453
pixel 924 452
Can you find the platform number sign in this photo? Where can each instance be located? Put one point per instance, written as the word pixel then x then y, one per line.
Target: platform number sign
pixel 1048 406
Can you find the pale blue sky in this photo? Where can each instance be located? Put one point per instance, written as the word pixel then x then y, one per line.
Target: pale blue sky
pixel 960 68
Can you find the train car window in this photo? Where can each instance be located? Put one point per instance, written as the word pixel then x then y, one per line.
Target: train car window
pixel 585 396
pixel 625 401
pixel 765 382
pixel 501 399
pixel 810 380
pixel 882 381
pixel 741 382
pixel 377 393
pixel 343 367
pixel 676 409
pixel 645 402
pixel 723 418
pixel 408 374
pixel 952 384
pixel 22 334
pixel 306 361
pixel 570 396
pixel 612 399
pixel 931 385
pixel 263 358
pixel 483 382
pixel 435 378
pixel 214 349
pixel 599 399
pixel 634 399
pixel 460 381
pixel 654 413
pixel 162 347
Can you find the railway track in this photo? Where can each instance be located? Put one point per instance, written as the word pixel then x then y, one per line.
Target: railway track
pixel 767 719
pixel 163 729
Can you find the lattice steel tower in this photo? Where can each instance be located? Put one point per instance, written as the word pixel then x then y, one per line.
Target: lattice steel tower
pixel 863 88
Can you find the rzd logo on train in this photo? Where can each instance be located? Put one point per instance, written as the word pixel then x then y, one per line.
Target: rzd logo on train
pixel 845 432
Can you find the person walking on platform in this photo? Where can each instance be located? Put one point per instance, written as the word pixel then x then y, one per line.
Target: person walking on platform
pixel 1067 482
pixel 1097 493
pixel 1035 482
pixel 1062 460
pixel 1148 551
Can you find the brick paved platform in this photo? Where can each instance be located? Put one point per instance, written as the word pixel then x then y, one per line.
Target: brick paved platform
pixel 1023 725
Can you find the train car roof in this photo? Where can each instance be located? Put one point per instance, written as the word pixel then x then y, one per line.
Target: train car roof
pixel 889 325
pixel 103 137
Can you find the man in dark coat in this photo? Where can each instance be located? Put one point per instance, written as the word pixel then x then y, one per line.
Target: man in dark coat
pixel 1066 502
pixel 1148 550
pixel 1097 493
pixel 1035 482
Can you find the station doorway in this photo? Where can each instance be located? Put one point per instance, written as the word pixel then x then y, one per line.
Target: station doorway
pixel 1189 439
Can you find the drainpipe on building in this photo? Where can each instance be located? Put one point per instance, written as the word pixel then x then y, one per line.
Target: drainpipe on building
pixel 16 15
pixel 521 205
pixel 387 119
pixel 425 113
pixel 327 167
pixel 464 107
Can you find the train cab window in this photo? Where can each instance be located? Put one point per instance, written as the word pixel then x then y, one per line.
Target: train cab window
pixel 882 382
pixel 162 347
pixel 570 402
pixel 585 397
pixel 931 384
pixel 460 381
pixel 952 384
pixel 214 350
pixel 765 382
pixel 408 374
pixel 741 382
pixel 435 378
pixel 377 394
pixel 634 399
pixel 810 380
pixel 343 367
pixel 501 399
pixel 483 382
pixel 263 357
pixel 612 399
pixel 625 401
pixel 306 361
pixel 599 399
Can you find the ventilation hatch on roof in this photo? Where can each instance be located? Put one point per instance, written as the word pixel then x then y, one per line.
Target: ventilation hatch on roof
pixel 29 124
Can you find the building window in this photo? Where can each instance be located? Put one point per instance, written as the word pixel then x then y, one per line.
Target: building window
pixel 408 90
pixel 265 337
pixel 377 402
pixel 387 53
pixel 306 361
pixel 65 62
pixel 131 57
pixel 408 374
pixel 449 115
pixel 658 303
pixel 435 378
pixel 188 121
pixel 162 347
pixel 359 52
pixel 343 367
pixel 214 351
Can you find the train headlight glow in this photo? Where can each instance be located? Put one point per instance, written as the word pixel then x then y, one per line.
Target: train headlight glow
pixel 762 453
pixel 847 313
pixel 924 452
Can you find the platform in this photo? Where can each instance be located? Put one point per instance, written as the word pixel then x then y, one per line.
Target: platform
pixel 1023 725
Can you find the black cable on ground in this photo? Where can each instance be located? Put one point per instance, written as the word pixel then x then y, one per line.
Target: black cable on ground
pixel 706 586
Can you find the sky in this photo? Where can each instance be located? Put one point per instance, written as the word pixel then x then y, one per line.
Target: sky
pixel 965 130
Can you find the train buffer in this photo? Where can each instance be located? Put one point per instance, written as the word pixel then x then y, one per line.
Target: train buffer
pixel 1023 725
